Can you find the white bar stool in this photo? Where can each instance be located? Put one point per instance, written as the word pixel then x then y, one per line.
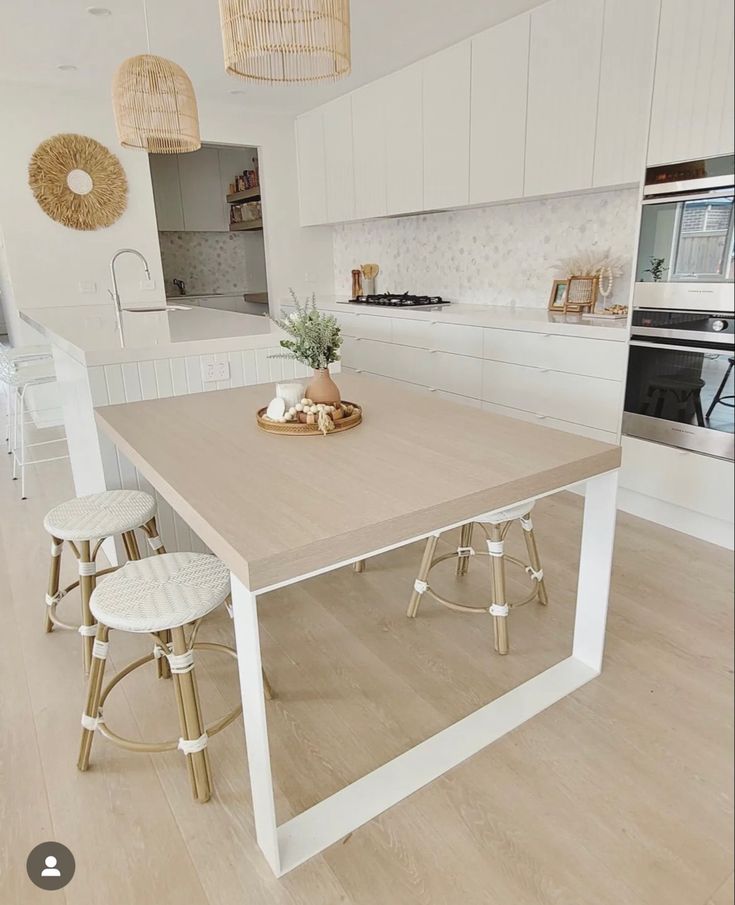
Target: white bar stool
pixel 495 526
pixel 160 596
pixel 84 523
pixel 20 369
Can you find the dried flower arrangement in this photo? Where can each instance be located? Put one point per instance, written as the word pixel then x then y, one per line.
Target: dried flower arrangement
pixel 316 336
pixel 601 264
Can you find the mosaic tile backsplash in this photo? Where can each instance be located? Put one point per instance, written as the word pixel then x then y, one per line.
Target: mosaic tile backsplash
pixel 211 261
pixel 497 255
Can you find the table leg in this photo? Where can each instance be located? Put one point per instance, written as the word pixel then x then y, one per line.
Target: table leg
pixel 247 637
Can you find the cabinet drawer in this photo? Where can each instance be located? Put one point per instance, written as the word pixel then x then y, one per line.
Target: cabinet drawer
pixel 583 400
pixel 592 357
pixel 516 386
pixel 461 400
pixel 544 421
pixel 513 346
pixel 458 374
pixel 457 338
pixel 371 326
pixel 409 332
pixel 347 323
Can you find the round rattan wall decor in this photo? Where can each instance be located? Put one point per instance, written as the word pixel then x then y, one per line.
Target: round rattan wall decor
pixel 78 182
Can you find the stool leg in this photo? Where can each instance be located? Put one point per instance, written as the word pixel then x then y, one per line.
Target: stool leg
pixel 191 719
pixel 413 606
pixel 358 566
pixel 53 581
pixel 534 558
pixel 132 550
pixel 497 570
pixel 87 584
pixel 150 529
pixel 23 443
pixel 465 540
pixel 94 692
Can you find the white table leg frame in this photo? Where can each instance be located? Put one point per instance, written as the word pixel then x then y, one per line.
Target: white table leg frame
pixel 325 823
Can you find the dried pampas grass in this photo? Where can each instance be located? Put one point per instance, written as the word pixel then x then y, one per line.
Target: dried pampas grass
pixel 50 165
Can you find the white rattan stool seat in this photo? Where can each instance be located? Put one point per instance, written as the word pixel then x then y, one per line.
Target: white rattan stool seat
pixel 100 515
pixel 24 375
pixel 504 515
pixel 26 353
pixel 161 592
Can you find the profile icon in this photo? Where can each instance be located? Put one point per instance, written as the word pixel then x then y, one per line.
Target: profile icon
pixel 50 870
pixel 50 865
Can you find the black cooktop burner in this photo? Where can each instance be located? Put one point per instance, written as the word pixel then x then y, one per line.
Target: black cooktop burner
pixel 405 300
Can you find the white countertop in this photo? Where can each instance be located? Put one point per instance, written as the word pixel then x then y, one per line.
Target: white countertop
pixel 502 317
pixel 89 333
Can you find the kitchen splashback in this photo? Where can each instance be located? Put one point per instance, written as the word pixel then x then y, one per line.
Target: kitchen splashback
pixel 497 255
pixel 213 261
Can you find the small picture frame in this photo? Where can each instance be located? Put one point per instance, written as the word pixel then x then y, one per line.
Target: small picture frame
pixel 557 299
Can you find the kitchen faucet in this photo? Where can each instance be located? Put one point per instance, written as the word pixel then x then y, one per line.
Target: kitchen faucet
pixel 115 291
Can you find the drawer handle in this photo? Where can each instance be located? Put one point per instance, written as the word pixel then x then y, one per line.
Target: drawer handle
pixel 544 370
pixel 541 417
pixel 431 351
pixel 432 389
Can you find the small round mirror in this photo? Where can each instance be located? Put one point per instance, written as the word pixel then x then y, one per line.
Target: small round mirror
pixel 79 182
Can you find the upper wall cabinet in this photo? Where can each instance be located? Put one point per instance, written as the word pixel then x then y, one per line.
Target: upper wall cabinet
pixel 404 173
pixel 201 191
pixel 564 69
pixel 626 79
pixel 692 114
pixel 167 191
pixel 498 111
pixel 446 109
pixel 311 168
pixel 338 158
pixel 369 135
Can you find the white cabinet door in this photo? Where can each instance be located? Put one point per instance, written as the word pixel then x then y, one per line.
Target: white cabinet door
pixel 167 191
pixel 338 158
pixel 404 175
pixel 311 168
pixel 498 113
pixel 368 134
pixel 692 112
pixel 563 78
pixel 446 106
pixel 626 82
pixel 201 191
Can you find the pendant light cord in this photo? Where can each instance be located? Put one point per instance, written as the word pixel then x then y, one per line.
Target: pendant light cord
pixel 147 30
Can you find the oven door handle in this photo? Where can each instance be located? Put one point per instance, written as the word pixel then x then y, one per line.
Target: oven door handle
pixel 704 350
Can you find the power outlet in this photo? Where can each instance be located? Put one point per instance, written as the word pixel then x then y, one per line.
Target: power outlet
pixel 87 287
pixel 214 371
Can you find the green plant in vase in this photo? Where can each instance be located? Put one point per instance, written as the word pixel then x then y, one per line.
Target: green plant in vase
pixel 657 269
pixel 315 340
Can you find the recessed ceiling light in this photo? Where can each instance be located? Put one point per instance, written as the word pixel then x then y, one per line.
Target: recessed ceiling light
pixel 99 11
pixel 67 67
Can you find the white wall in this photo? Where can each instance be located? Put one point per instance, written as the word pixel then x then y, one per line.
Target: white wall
pixel 46 261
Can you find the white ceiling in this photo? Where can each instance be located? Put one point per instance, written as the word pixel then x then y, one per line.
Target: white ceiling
pixel 37 36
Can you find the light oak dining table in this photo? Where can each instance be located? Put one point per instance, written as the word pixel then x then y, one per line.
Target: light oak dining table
pixel 280 509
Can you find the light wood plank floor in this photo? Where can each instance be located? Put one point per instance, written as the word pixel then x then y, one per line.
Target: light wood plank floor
pixel 619 795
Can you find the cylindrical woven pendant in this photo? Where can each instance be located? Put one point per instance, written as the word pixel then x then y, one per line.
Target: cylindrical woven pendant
pixel 286 40
pixel 155 106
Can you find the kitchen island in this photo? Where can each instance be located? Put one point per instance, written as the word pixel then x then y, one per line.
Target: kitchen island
pixel 160 353
pixel 393 480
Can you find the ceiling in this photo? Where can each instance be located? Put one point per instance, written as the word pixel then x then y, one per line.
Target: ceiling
pixel 38 36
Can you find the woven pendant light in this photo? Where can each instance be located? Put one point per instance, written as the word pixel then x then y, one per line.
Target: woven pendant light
pixel 155 106
pixel 286 40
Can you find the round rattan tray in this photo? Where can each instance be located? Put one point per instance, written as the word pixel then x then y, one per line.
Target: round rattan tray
pixel 309 430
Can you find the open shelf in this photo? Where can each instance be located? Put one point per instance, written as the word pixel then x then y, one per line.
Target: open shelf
pixel 247 195
pixel 246 224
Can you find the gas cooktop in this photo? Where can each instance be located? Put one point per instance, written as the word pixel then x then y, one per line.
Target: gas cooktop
pixel 405 300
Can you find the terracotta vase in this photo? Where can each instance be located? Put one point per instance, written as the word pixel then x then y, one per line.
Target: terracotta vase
pixel 322 388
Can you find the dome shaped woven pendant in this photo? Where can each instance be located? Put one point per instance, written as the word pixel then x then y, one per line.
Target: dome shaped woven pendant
pixel 155 106
pixel 286 40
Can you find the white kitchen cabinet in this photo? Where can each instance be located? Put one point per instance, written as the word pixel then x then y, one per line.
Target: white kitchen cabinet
pixel 368 141
pixel 167 191
pixel 563 79
pixel 498 110
pixel 410 332
pixel 446 117
pixel 311 166
pixel 544 421
pixel 338 159
pixel 373 327
pixel 461 339
pixel 201 191
pixel 457 374
pixel 692 111
pixel 404 174
pixel 626 82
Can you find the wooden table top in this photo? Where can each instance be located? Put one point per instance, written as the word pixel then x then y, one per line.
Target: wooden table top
pixel 274 507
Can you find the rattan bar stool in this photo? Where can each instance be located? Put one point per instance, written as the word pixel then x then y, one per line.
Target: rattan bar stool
pixel 160 595
pixel 84 523
pixel 495 526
